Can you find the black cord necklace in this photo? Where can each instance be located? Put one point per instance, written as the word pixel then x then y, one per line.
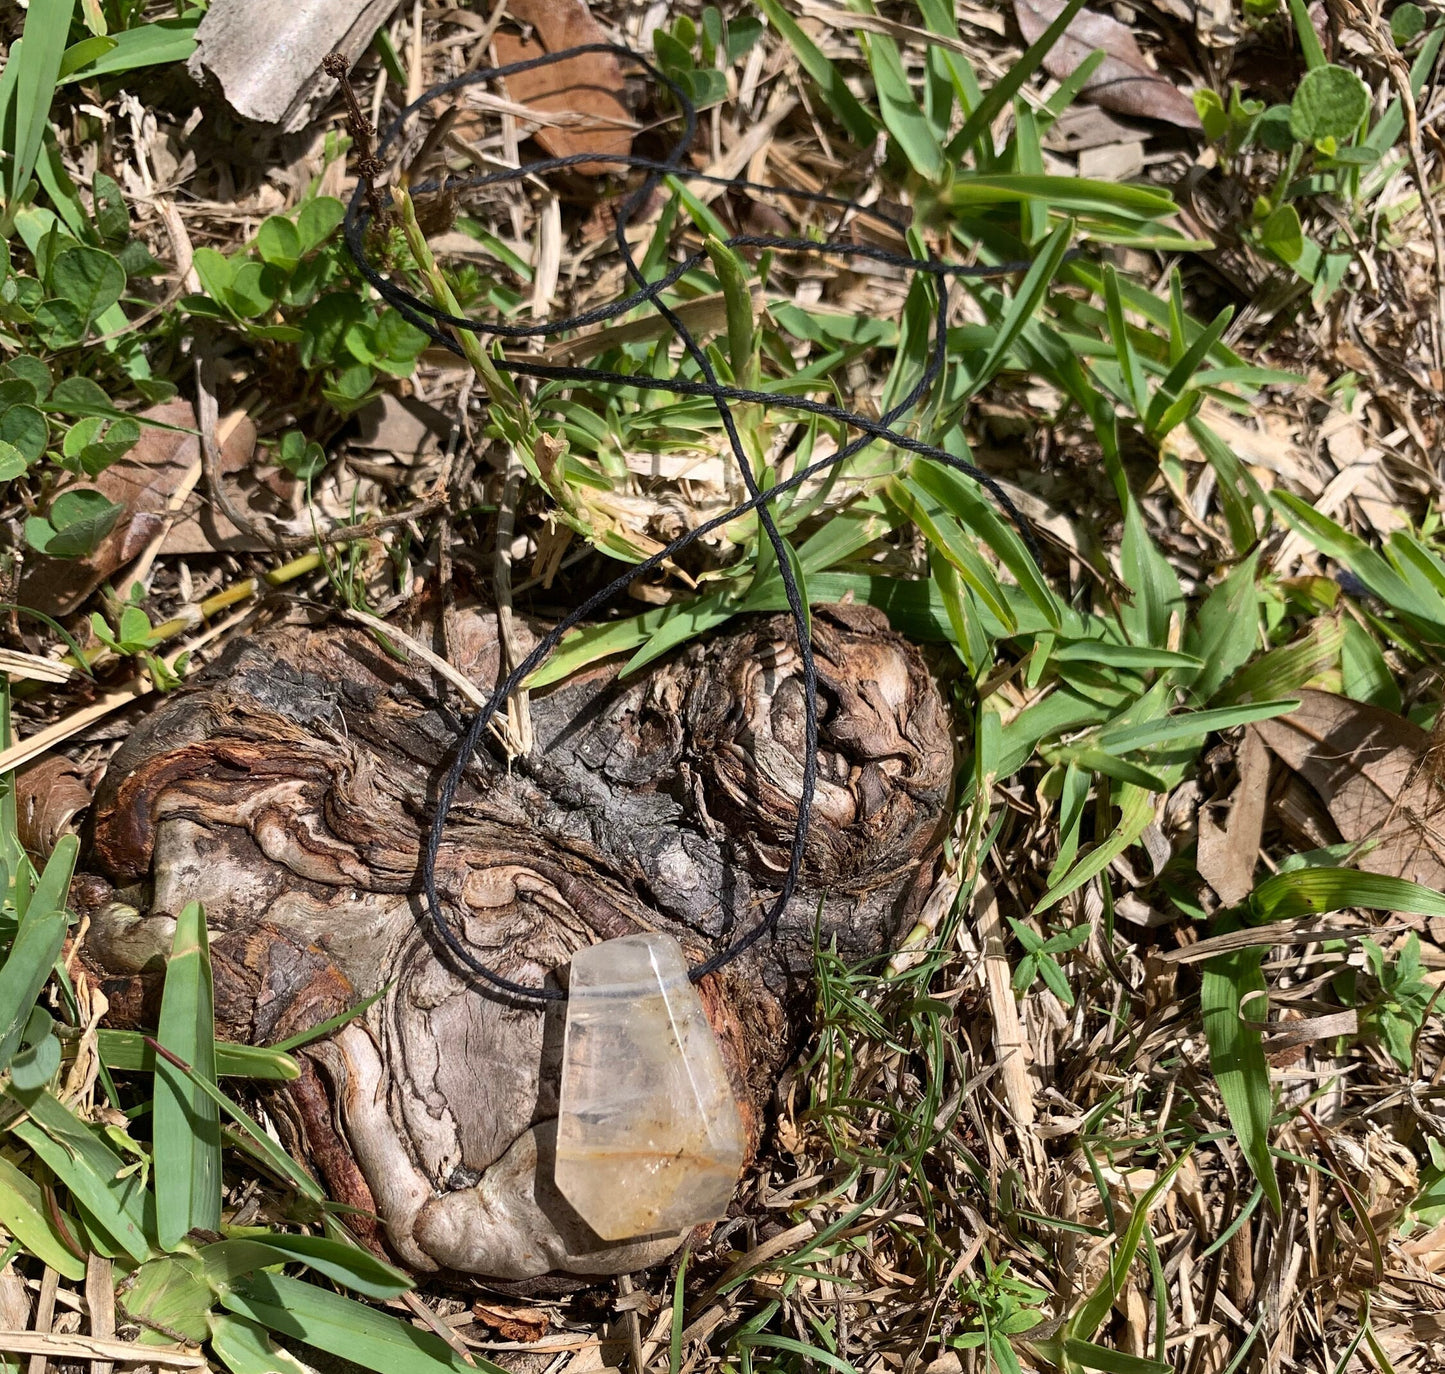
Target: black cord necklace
pixel 437 324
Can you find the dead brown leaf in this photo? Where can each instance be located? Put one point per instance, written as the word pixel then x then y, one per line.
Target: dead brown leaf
pixel 1228 853
pixel 144 481
pixel 48 796
pixel 1366 765
pixel 524 1324
pixel 1124 81
pixel 585 89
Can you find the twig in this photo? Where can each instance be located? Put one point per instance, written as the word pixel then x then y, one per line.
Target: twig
pixel 41 1345
pixel 206 420
pixel 414 646
pixel 430 1319
pixel 44 1315
pixel 518 732
pixel 100 1299
pixel 362 131
pixel 1010 1045
pixel 632 1325
pixel 207 417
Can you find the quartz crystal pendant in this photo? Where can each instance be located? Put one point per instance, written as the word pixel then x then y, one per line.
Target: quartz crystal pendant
pixel 649 1138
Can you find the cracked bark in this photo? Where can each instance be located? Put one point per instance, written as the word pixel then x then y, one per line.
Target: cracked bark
pixel 289 791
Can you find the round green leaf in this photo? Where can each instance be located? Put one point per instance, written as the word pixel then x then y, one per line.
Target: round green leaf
pixel 317 219
pixel 1283 234
pixel 215 271
pixel 1407 22
pixel 79 520
pixel 94 443
pixel 302 459
pixel 32 370
pixel 1331 102
pixel 60 323
pixel 279 243
pixel 25 428
pixel 12 462
pixel 253 289
pixel 325 324
pixel 80 396
pixel 89 278
pixel 16 391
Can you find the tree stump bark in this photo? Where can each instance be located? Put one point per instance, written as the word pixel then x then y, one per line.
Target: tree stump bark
pixel 290 789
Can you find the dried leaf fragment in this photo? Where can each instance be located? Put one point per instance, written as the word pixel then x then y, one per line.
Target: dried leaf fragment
pixel 1124 81
pixel 48 797
pixel 1227 854
pixel 1372 769
pixel 524 1324
pixel 582 91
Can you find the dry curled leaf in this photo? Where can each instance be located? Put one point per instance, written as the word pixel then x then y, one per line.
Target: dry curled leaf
pixel 1373 771
pixel 1228 853
pixel 149 483
pixel 1124 82
pixel 48 797
pixel 580 95
pixel 523 1324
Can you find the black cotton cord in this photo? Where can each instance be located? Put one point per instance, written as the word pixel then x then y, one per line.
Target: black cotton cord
pixel 436 324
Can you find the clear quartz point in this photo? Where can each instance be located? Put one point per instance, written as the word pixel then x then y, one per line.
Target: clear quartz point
pixel 649 1138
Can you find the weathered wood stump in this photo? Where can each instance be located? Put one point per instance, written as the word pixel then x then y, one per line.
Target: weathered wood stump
pixel 290 788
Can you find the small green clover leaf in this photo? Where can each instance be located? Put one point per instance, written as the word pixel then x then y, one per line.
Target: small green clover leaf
pixel 1406 23
pixel 301 457
pixel 77 521
pixel 1331 102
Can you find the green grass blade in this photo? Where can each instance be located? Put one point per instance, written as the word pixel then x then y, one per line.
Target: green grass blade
pixel 688 620
pixel 1090 1356
pixel 11 851
pixel 24 1214
pixel 1136 810
pixel 732 275
pixel 1025 304
pixel 1064 195
pixel 944 533
pixel 187 1121
pixel 1236 1057
pixel 1309 40
pixel 1334 541
pixel 87 1166
pixel 960 496
pixel 246 1347
pixel 54 885
pixel 1100 761
pixel 1092 1314
pixel 251 1135
pixel 1180 377
pixel 1123 348
pixel 834 90
pixel 319 1031
pixel 1224 632
pixel 810 1354
pixel 347 1265
pixel 343 1327
pixel 978 123
pixel 128 1052
pixel 146 45
pixel 1192 724
pixel 37 946
pixel 1316 891
pixel 902 116
pixel 679 1319
pixel 47 25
